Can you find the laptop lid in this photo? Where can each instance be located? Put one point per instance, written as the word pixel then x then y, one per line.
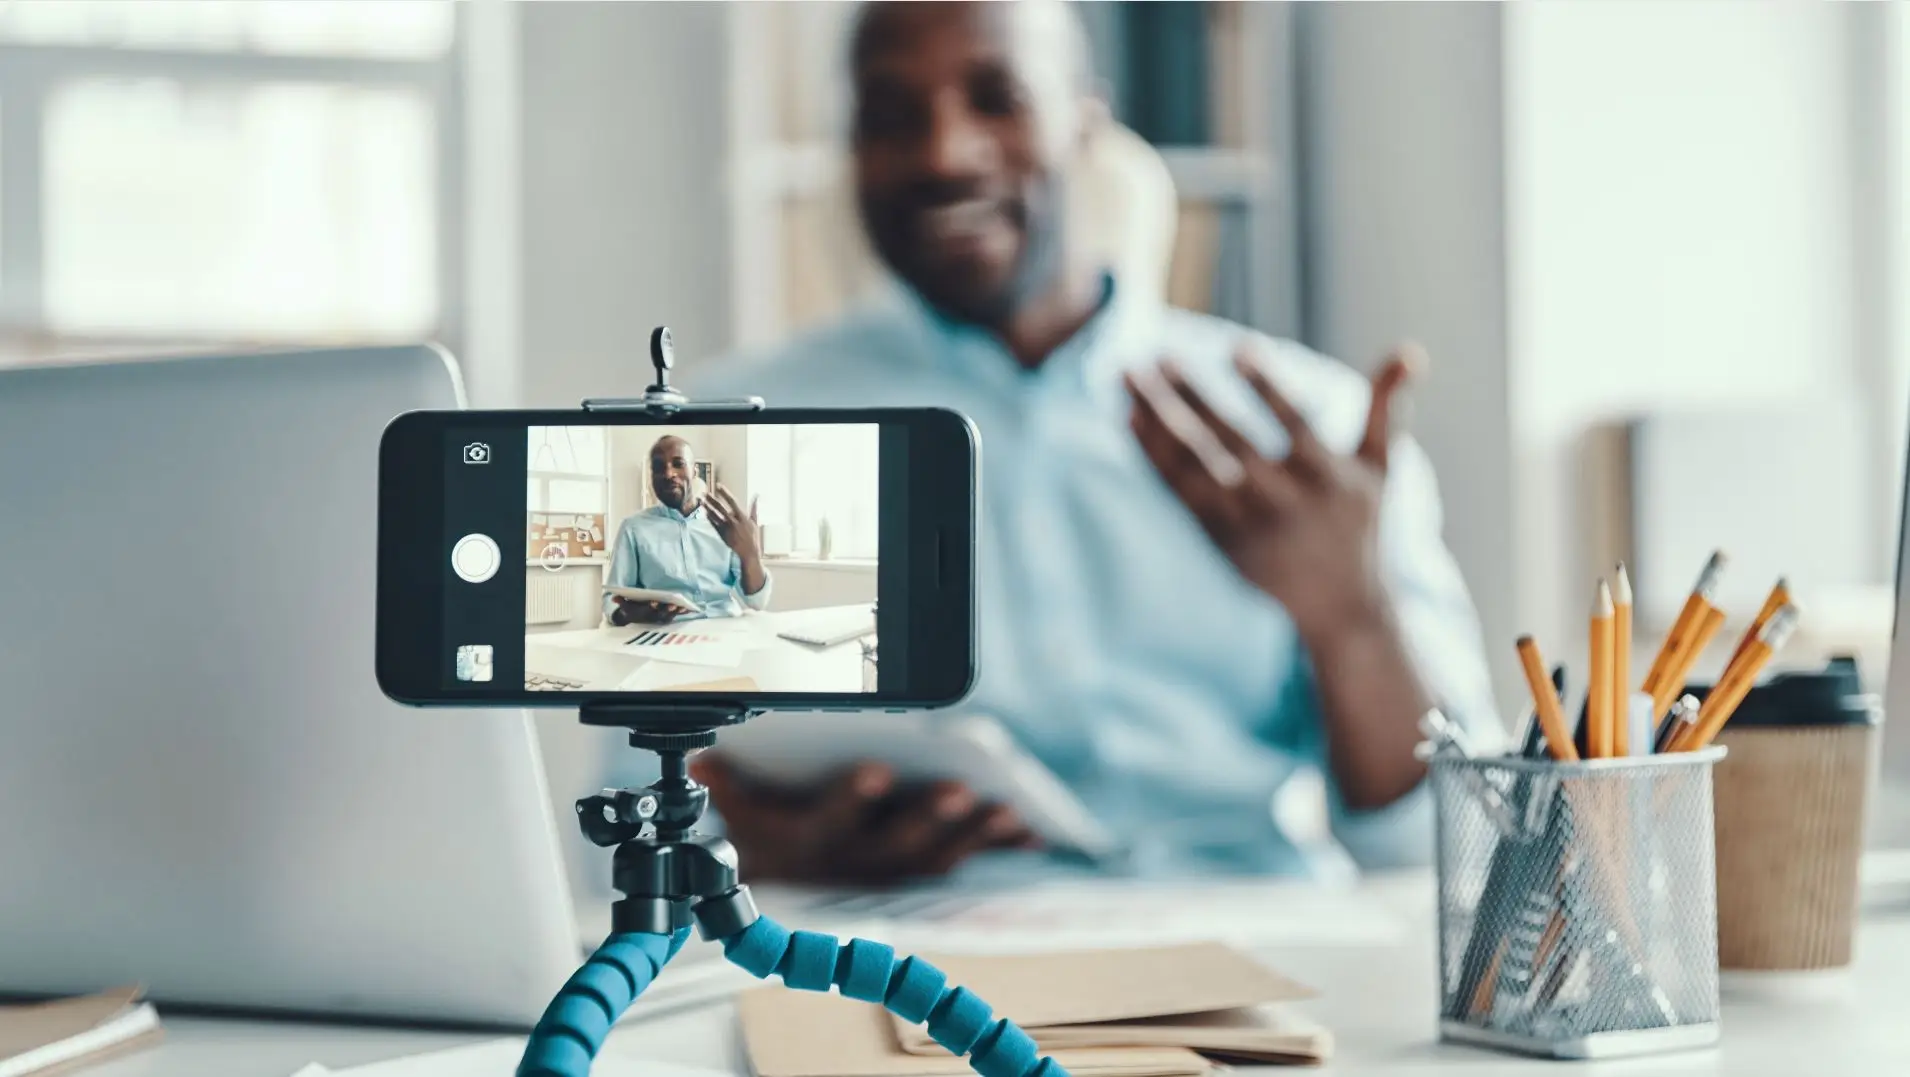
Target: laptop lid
pixel 204 789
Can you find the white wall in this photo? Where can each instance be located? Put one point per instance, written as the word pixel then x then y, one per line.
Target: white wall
pixel 1680 235
pixel 1404 195
pixel 1587 210
pixel 623 204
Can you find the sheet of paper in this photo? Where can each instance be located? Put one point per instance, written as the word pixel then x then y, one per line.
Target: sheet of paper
pixel 1100 913
pixel 499 1058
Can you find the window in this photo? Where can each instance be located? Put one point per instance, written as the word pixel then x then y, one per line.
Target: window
pixel 568 470
pixel 268 171
pixel 804 475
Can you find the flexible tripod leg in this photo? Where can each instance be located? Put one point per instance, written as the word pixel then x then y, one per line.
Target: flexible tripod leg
pixel 908 987
pixel 575 1023
pixel 573 1028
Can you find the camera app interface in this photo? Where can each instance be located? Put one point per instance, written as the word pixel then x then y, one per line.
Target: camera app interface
pixel 732 558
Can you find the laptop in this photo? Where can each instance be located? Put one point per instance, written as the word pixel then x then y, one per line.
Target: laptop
pixel 204 790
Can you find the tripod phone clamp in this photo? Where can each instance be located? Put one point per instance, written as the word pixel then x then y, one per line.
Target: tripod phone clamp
pixel 671 876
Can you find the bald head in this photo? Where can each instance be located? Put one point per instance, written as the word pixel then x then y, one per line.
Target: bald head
pixel 963 128
pixel 673 472
pixel 1051 27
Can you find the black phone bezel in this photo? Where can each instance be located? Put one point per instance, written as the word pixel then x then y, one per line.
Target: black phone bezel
pixel 925 577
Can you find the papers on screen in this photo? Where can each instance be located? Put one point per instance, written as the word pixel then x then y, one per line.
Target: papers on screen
pixel 685 646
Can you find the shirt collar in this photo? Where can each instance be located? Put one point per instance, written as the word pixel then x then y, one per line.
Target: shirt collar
pixel 1121 333
pixel 668 513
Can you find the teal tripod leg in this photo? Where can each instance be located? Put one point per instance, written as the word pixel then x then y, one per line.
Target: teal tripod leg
pixel 573 1027
pixel 909 987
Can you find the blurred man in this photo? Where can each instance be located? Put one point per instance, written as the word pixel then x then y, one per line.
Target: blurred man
pixel 1207 565
pixel 702 548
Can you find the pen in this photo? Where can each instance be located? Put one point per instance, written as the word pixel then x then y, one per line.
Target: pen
pixel 1683 713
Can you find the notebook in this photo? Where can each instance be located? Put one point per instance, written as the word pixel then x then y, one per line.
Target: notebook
pixel 45 1038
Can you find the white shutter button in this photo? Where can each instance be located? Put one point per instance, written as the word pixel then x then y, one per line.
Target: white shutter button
pixel 475 558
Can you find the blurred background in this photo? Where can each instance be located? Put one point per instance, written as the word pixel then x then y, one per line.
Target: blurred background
pixel 1656 251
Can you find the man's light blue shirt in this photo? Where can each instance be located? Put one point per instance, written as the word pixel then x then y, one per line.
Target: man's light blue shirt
pixel 1117 643
pixel 664 550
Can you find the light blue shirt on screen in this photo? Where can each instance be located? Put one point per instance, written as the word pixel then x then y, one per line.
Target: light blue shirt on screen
pixel 1117 643
pixel 664 550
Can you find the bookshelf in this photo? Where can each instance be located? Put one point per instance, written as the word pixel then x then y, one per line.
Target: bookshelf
pixel 1208 84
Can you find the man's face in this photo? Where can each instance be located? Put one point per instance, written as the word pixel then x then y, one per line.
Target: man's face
pixel 964 117
pixel 672 467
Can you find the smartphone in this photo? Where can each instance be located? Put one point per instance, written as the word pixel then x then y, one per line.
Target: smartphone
pixel 781 558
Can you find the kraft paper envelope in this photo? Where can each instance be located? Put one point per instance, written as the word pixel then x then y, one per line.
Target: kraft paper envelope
pixel 1207 997
pixel 1096 986
pixel 809 1034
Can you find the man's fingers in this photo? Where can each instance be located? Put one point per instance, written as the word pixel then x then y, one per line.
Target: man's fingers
pixel 1230 440
pixel 839 813
pixel 752 508
pixel 911 838
pixel 1305 447
pixel 986 827
pixel 1392 375
pixel 1179 466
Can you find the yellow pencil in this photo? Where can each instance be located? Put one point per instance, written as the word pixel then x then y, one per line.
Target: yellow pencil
pixel 1688 620
pixel 1694 647
pixel 1779 597
pixel 1598 685
pixel 1545 702
pixel 1621 663
pixel 1731 689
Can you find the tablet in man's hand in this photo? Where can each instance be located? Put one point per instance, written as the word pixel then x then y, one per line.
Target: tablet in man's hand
pixel 662 598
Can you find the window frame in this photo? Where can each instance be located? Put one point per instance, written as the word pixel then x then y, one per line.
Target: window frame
pixel 31 73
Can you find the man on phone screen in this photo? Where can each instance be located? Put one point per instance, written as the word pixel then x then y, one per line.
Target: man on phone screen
pixel 1208 563
pixel 703 548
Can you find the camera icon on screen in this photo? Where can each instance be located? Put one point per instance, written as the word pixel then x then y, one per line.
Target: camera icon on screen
pixel 477 453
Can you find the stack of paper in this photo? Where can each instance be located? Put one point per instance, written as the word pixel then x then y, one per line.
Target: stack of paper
pixel 37 1038
pixel 1161 1012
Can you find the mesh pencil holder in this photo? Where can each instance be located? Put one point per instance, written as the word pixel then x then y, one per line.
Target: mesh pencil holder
pixel 1577 904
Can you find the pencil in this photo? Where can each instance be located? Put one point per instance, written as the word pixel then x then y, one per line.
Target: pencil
pixel 1598 688
pixel 1545 702
pixel 1731 689
pixel 1694 649
pixel 1687 622
pixel 1621 663
pixel 1779 597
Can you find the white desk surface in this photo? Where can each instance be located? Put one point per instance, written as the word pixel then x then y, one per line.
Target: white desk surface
pixel 601 658
pixel 1377 999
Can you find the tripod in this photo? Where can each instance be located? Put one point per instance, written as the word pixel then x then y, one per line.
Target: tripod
pixel 670 876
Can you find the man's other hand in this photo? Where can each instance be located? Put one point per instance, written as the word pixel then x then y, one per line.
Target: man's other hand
pixel 630 611
pixel 741 531
pixel 1302 527
pixel 858 829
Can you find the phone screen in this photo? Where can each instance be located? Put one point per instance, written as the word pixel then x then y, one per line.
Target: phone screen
pixel 765 557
